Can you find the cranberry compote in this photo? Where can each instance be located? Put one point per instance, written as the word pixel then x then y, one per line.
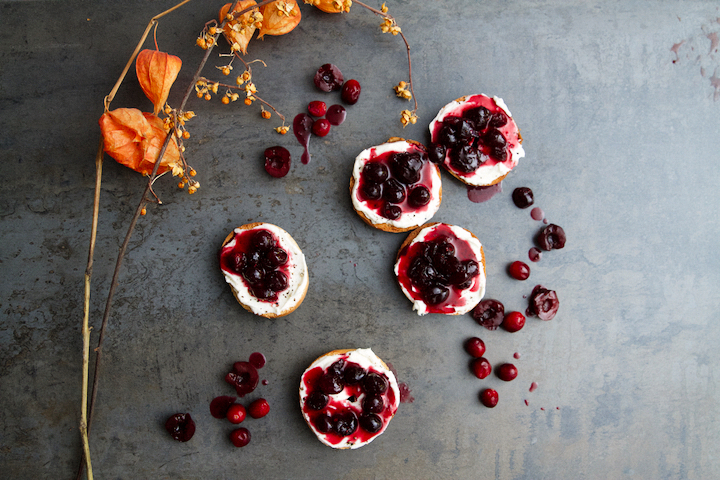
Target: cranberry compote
pixel 180 426
pixel 544 303
pixel 489 313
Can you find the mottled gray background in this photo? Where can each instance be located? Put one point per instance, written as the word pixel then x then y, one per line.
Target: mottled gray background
pixel 619 106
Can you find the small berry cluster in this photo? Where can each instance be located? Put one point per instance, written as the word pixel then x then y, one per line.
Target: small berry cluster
pixel 481 368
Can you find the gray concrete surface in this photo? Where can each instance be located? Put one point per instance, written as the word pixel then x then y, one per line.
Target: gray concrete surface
pixel 619 106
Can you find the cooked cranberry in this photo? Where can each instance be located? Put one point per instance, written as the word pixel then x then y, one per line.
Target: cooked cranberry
pixel 489 397
pixel 519 270
pixel 323 423
pixel 506 372
pixel 513 322
pixel 263 240
pixel 421 272
pixel 406 167
pixel 370 422
pixel 350 92
pixel 375 172
pixel 259 408
pixel 331 383
pixel 479 116
pixel 551 237
pixel 475 347
pixel 254 274
pixel 244 378
pixel 276 281
pixel 328 78
pixel 219 406
pixel 236 413
pixel 466 157
pixel 371 191
pixel 354 374
pixel 544 303
pixel 448 135
pixel 480 367
pixel 437 152
pixel 277 161
pixel 317 108
pixel 435 294
pixel 317 400
pixel 391 212
pixel 180 426
pixel 498 119
pixel 489 313
pixel 240 437
pixel 523 197
pixel 262 292
pixel 345 424
pixel 321 127
pixel 419 196
pixel 373 404
pixel 375 383
pixel 277 256
pixel 237 262
pixel 337 367
pixel 394 191
pixel 336 115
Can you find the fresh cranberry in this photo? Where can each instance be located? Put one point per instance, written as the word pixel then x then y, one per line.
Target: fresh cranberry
pixel 180 426
pixel 244 377
pixel 475 347
pixel 219 406
pixel 259 408
pixel 506 372
pixel 375 383
pixel 481 367
pixel 240 437
pixel 236 413
pixel 317 108
pixel 489 313
pixel 544 303
pixel 551 237
pixel 321 127
pixel 351 92
pixel 523 197
pixel 336 115
pixel 513 322
pixel 277 161
pixel 370 422
pixel 328 78
pixel 489 397
pixel 519 270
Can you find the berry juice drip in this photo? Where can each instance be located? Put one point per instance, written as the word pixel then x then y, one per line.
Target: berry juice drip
pixel 336 114
pixel 302 128
pixel 483 194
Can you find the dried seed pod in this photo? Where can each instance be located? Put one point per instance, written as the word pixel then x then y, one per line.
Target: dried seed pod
pixel 156 72
pixel 240 30
pixel 279 18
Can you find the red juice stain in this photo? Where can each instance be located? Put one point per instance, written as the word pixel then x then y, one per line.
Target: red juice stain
pixel 537 214
pixel 516 355
pixel 534 254
pixel 302 127
pixel 483 194
pixel 533 386
pixel 257 360
pixel 405 396
pixel 264 382
pixel 527 403
pixel 336 114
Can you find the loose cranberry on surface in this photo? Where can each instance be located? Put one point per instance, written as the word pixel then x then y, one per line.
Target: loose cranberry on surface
pixel 180 426
pixel 259 408
pixel 351 92
pixel 244 377
pixel 523 197
pixel 277 161
pixel 475 347
pixel 506 372
pixel 513 322
pixel 219 406
pixel 321 127
pixel 544 303
pixel 480 367
pixel 328 78
pixel 489 397
pixel 551 237
pixel 317 108
pixel 519 270
pixel 489 313
pixel 236 413
pixel 240 437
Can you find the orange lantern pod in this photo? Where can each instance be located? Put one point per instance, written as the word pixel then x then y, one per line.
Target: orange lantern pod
pixel 134 139
pixel 239 31
pixel 279 17
pixel 331 6
pixel 156 72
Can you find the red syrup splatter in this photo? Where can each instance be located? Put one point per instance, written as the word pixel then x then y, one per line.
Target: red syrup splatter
pixel 302 128
pixel 527 403
pixel 405 395
pixel 534 254
pixel 264 382
pixel 516 356
pixel 257 360
pixel 533 386
pixel 537 214
pixel 483 194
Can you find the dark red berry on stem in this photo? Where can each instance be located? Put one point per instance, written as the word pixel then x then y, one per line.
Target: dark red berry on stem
pixel 317 108
pixel 277 161
pixel 513 322
pixel 551 237
pixel 351 92
pixel 544 303
pixel 519 270
pixel 475 347
pixel 219 406
pixel 240 437
pixel 236 413
pixel 489 313
pixel 321 127
pixel 523 197
pixel 180 426
pixel 489 397
pixel 506 372
pixel 259 408
pixel 480 367
pixel 328 78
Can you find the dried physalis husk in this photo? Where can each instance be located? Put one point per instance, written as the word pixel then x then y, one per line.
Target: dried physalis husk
pixel 134 139
pixel 279 17
pixel 331 6
pixel 240 29
pixel 156 72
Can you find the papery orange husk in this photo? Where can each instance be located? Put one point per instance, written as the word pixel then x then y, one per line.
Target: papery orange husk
pixel 241 29
pixel 331 6
pixel 134 139
pixel 279 17
pixel 156 72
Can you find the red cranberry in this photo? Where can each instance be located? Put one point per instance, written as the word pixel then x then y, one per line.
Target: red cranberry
pixel 513 322
pixel 277 161
pixel 331 383
pixel 375 383
pixel 336 114
pixel 481 367
pixel 506 372
pixel 328 78
pixel 489 397
pixel 375 172
pixel 551 237
pixel 354 374
pixel 317 108
pixel 259 408
pixel 345 424
pixel 351 92
pixel 390 211
pixel 373 404
pixel 219 406
pixel 240 437
pixel 519 270
pixel 370 422
pixel 475 347
pixel 544 303
pixel 180 426
pixel 321 127
pixel 317 400
pixel 489 313
pixel 419 196
pixel 236 413
pixel 244 378
pixel 523 197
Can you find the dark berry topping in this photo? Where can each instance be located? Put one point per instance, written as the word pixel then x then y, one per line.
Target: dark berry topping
pixel 259 408
pixel 337 367
pixel 321 127
pixel 513 322
pixel 373 404
pixel 506 372
pixel 323 423
pixel 479 116
pixel 391 212
pixel 317 400
pixel 544 303
pixel 354 374
pixel 406 167
pixel 498 120
pixel 519 270
pixel 350 92
pixel 523 197
pixel 317 108
pixel 375 383
pixel 240 437
pixel 489 313
pixel 371 191
pixel 219 406
pixel 435 294
pixel 551 237
pixel 180 426
pixel 331 383
pixel 437 152
pixel 376 172
pixel 419 196
pixel 328 78
pixel 244 377
pixel 394 191
pixel 475 347
pixel 466 157
pixel 263 240
pixel 277 161
pixel 480 367
pixel 489 397
pixel 254 274
pixel 276 281
pixel 277 257
pixel 345 424
pixel 371 423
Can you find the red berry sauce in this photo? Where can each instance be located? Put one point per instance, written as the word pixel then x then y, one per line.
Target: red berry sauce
pixel 302 128
pixel 257 359
pixel 483 194
pixel 336 115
